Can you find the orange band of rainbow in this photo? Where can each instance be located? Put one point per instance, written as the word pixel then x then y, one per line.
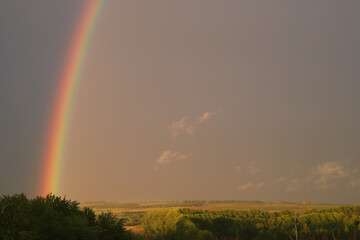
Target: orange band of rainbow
pixel 68 82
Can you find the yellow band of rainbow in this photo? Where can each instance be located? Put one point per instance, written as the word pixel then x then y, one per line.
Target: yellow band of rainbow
pixel 68 81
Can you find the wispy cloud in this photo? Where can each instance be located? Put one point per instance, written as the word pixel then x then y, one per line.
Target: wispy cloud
pixel 280 179
pixel 168 157
pixel 354 183
pixel 238 169
pixel 324 174
pixel 253 168
pixel 249 185
pixel 190 130
pixel 245 186
pixel 205 117
pixel 177 127
pixel 294 185
pixel 330 168
pixel 293 156
pixel 182 127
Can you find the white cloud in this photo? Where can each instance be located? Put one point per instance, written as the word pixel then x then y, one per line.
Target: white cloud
pixel 237 169
pixel 167 157
pixel 181 127
pixel 253 168
pixel 205 117
pixel 260 185
pixel 190 130
pixel 177 127
pixel 280 179
pixel 245 186
pixel 325 174
pixel 330 168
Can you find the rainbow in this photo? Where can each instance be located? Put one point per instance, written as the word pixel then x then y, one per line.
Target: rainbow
pixel 68 81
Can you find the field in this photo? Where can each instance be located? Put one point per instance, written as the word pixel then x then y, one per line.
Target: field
pixel 133 212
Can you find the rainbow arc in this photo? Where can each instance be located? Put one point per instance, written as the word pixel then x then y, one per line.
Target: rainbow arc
pixel 68 82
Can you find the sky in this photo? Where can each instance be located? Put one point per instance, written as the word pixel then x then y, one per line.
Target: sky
pixel 187 100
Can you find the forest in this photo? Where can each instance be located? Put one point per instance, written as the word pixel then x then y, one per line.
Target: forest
pixel 53 217
pixel 337 223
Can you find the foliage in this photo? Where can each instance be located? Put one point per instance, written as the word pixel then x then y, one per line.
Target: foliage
pixel 336 223
pixel 53 217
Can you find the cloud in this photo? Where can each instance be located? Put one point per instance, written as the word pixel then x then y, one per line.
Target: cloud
pixel 177 127
pixel 205 117
pixel 168 157
pixel 249 185
pixel 354 183
pixel 330 168
pixel 293 156
pixel 309 179
pixel 294 185
pixel 280 179
pixel 237 169
pixel 245 186
pixel 190 130
pixel 253 167
pixel 325 174
pixel 181 127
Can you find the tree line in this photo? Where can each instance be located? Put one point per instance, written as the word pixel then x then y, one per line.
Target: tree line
pixel 186 203
pixel 56 218
pixel 324 224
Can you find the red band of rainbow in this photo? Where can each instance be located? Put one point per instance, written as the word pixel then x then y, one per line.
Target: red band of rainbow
pixel 68 82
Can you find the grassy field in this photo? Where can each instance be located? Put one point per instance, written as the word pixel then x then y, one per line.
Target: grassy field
pixel 133 212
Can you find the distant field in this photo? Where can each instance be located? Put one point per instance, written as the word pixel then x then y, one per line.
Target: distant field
pixel 133 212
pixel 210 205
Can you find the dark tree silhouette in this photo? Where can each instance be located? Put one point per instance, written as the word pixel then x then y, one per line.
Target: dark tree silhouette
pixel 55 218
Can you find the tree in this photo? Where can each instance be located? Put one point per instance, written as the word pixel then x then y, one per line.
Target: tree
pixel 55 218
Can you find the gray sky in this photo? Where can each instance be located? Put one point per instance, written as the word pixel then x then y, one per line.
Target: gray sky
pixel 188 100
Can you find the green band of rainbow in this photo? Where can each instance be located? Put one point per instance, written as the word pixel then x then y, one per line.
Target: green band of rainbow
pixel 68 82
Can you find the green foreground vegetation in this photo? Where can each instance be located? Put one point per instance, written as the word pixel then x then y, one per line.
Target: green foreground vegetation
pixel 337 223
pixel 53 217
pixel 135 211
